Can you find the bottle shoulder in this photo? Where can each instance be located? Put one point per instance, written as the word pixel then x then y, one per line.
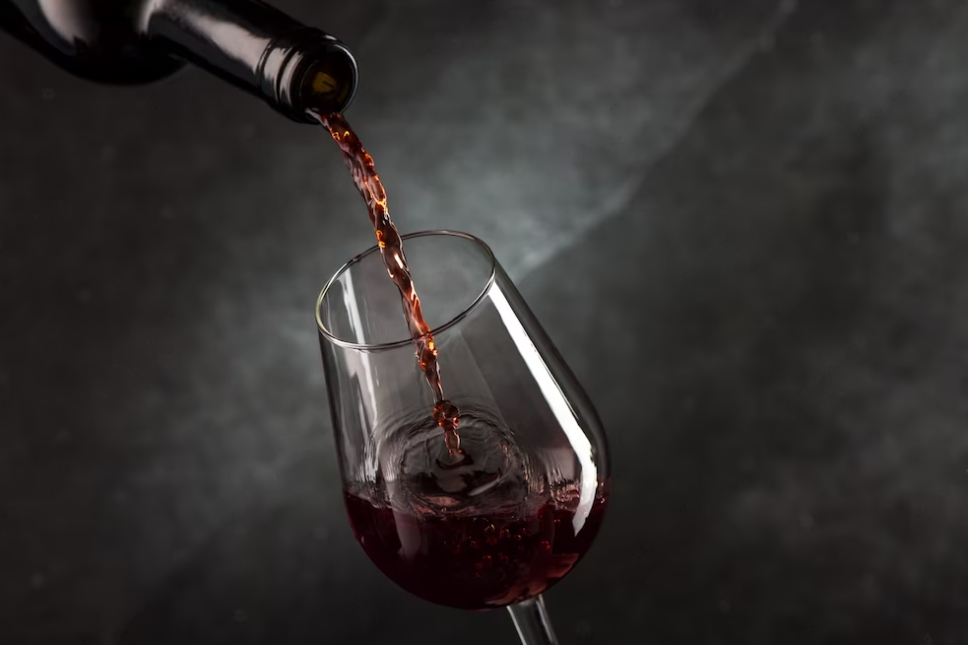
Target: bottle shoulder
pixel 97 39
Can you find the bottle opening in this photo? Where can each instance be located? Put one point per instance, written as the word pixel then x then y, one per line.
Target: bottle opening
pixel 329 82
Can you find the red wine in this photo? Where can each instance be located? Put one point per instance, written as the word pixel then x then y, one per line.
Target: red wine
pixel 477 559
pixel 361 165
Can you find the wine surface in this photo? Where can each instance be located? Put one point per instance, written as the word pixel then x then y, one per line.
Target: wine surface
pixel 481 558
pixel 361 165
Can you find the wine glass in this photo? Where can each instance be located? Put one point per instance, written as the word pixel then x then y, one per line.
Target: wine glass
pixel 506 516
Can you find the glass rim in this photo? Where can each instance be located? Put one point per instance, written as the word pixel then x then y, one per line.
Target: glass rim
pixel 395 344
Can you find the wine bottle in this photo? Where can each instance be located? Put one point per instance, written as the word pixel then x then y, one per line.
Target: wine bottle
pixel 295 68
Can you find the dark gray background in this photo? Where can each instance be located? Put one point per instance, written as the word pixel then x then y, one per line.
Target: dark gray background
pixel 760 208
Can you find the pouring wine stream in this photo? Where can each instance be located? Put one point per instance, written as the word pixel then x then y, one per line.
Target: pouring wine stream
pixel 445 413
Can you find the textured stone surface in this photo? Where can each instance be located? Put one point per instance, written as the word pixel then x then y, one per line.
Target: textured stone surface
pixel 784 374
pixel 760 209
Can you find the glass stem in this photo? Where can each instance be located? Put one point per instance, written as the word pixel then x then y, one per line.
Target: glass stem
pixel 531 619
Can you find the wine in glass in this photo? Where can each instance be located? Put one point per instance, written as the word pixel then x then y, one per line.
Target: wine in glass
pixel 504 515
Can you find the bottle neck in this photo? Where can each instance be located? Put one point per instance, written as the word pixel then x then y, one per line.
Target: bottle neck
pixel 261 50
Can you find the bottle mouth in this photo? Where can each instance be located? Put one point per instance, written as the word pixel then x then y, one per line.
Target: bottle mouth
pixel 330 82
pixel 307 73
pixel 324 81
